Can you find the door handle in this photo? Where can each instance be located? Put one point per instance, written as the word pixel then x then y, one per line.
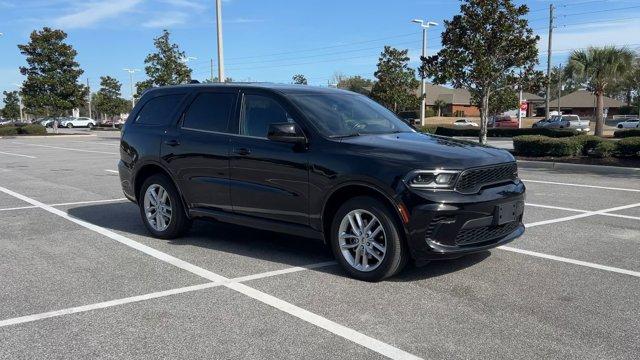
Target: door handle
pixel 172 142
pixel 242 151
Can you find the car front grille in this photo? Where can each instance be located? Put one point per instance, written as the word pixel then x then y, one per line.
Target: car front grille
pixel 472 180
pixel 485 233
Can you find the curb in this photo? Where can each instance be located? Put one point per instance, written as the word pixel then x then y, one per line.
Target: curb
pixel 597 169
pixel 47 136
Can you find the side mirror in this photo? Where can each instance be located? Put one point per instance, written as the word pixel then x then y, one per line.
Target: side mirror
pixel 286 132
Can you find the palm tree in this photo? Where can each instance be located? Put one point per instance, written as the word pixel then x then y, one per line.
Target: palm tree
pixel 599 68
pixel 439 105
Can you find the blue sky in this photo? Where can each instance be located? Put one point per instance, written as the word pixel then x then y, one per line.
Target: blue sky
pixel 271 40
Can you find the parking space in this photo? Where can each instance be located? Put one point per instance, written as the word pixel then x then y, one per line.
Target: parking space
pixel 81 278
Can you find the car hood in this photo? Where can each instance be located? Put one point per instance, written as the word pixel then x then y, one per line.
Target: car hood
pixel 428 150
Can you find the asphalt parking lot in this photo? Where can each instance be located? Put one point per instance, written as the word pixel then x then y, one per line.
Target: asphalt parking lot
pixel 80 277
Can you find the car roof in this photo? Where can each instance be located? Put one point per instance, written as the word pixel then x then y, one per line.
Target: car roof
pixel 280 88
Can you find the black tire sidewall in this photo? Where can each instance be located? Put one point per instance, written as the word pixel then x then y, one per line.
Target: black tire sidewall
pixel 179 220
pixel 395 253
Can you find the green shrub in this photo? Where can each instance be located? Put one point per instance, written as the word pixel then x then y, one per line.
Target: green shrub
pixel 589 143
pixel 538 146
pixel 626 133
pixel 8 130
pixel 32 129
pixel 629 146
pixel 604 149
pixel 502 132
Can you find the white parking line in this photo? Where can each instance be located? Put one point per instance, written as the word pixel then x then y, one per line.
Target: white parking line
pixel 570 261
pixel 584 211
pixel 155 295
pixel 581 185
pixel 584 214
pixel 66 148
pixel 14 154
pixel 67 203
pixel 111 171
pixel 333 327
pixel 112 143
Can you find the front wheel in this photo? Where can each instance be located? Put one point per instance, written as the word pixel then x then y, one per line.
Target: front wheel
pixel 161 208
pixel 620 126
pixel 90 126
pixel 70 126
pixel 366 240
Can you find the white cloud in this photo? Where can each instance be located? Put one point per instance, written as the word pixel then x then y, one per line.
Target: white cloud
pixel 95 12
pixel 242 20
pixel 166 20
pixel 195 5
pixel 596 34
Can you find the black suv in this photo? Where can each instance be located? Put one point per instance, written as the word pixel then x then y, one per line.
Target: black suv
pixel 320 163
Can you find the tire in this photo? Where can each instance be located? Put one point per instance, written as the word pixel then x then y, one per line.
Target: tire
pixel 69 126
pixel 395 255
pixel 177 223
pixel 90 126
pixel 620 126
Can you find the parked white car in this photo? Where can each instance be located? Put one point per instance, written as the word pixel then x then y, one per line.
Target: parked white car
pixel 78 122
pixel 464 123
pixel 629 124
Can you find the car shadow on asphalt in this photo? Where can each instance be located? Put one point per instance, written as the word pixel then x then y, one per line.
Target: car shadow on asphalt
pixel 258 244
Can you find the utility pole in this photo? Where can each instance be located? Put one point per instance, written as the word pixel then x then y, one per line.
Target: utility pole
pixel 133 98
pixel 88 87
pixel 559 87
pixel 425 25
pixel 221 77
pixel 548 93
pixel 520 108
pixel 211 69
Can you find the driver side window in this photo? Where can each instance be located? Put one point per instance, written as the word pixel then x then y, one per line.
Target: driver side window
pixel 258 112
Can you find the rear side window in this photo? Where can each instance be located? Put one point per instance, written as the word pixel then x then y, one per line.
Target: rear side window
pixel 210 112
pixel 158 110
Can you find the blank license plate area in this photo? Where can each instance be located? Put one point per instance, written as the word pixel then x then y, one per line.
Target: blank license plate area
pixel 509 212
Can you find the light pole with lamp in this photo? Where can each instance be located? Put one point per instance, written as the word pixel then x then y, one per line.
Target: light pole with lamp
pixel 131 72
pixel 20 100
pixel 425 25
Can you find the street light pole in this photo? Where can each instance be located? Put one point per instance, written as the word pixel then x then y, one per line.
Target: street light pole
pixel 221 77
pixel 20 105
pixel 133 98
pixel 425 25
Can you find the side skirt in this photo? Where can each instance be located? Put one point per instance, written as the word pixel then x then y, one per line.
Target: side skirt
pixel 262 224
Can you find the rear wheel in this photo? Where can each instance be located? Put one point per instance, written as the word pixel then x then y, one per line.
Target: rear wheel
pixel 161 208
pixel 90 126
pixel 70 125
pixel 620 126
pixel 366 240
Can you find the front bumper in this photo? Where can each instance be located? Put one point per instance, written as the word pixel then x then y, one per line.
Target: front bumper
pixel 445 225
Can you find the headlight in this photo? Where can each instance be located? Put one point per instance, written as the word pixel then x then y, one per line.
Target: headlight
pixel 432 179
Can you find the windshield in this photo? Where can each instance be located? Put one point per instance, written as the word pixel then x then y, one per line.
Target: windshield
pixel 339 115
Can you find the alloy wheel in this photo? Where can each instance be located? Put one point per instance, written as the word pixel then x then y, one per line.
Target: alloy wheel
pixel 157 207
pixel 362 240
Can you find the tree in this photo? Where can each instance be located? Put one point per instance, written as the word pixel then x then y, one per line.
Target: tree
pixel 166 66
pixel 356 84
pixel 299 79
pixel 438 105
pixel 503 100
pixel 487 48
pixel 599 68
pixel 11 105
pixel 397 83
pixel 108 100
pixel 11 108
pixel 51 87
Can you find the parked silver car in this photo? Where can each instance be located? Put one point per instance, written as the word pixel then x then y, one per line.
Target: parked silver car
pixel 572 122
